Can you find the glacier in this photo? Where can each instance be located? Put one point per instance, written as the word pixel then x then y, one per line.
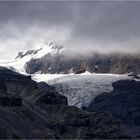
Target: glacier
pixel 80 89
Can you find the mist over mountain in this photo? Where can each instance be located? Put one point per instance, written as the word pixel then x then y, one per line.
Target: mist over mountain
pixel 51 57
pixel 66 63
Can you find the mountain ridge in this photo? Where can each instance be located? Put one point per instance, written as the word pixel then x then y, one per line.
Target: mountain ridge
pixel 50 57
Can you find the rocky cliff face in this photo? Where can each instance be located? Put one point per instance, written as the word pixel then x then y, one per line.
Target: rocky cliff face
pixel 16 84
pixel 118 64
pixel 123 103
pixel 35 110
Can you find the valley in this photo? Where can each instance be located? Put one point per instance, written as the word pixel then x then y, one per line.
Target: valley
pixel 80 89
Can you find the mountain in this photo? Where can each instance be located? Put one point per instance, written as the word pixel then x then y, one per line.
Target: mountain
pixel 30 110
pixel 50 57
pixel 123 103
pixel 44 48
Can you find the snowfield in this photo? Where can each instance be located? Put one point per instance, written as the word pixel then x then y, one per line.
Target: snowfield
pixel 17 64
pixel 80 89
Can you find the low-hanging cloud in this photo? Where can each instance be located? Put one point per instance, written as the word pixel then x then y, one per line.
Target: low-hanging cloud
pixel 105 27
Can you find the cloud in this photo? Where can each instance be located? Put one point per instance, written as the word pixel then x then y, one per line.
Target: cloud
pixel 100 26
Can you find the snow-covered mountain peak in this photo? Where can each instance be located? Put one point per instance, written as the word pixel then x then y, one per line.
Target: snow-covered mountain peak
pixel 42 49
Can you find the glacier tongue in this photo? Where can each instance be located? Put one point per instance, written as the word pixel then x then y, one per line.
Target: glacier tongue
pixel 80 89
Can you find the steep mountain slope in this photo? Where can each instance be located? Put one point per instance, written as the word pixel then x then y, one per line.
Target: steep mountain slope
pixel 44 48
pixel 30 110
pixel 123 103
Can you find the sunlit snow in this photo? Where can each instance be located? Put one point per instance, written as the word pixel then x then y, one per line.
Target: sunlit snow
pixel 42 49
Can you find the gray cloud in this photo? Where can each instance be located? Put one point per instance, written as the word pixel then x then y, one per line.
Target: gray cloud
pixel 100 26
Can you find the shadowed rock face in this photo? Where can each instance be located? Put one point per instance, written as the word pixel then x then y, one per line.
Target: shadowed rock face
pixel 2 85
pixel 130 86
pixel 51 98
pixel 98 63
pixel 16 84
pixel 123 103
pixel 35 110
pixel 10 100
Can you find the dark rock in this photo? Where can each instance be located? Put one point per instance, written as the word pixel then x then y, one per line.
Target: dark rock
pixel 126 85
pixel 39 112
pixel 78 124
pixel 6 100
pixel 122 102
pixel 52 98
pixel 16 83
pixel 20 55
pixel 3 133
pixel 79 71
pixel 2 85
pixel 29 52
pixel 99 63
pixel 43 85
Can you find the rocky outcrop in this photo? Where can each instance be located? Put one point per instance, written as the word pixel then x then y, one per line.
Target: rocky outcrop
pixel 129 86
pixel 43 85
pixel 52 98
pixel 86 125
pixel 37 111
pixel 123 103
pixel 29 52
pixel 15 83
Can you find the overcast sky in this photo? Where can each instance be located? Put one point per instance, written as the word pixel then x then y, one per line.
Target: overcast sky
pixel 81 26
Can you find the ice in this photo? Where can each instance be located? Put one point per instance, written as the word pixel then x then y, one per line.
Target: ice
pixel 80 89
